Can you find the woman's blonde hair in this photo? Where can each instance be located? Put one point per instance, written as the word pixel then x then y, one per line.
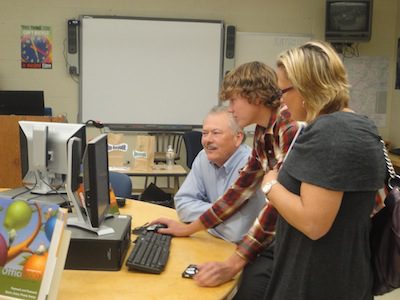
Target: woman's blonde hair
pixel 317 72
pixel 254 81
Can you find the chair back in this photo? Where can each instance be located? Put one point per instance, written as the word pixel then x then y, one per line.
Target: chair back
pixel 193 146
pixel 121 184
pixel 163 139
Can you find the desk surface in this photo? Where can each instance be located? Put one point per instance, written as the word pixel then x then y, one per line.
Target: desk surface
pixel 124 284
pixel 157 170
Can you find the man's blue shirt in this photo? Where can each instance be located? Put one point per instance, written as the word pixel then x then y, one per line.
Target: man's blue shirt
pixel 206 182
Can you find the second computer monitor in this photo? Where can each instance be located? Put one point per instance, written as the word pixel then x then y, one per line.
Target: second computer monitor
pixel 96 179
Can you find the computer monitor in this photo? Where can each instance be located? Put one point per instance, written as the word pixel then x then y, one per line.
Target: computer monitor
pixel 92 207
pixel 44 153
pixel 96 179
pixel 22 103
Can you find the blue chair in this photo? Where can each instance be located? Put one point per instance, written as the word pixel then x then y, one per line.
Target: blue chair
pixel 193 146
pixel 121 184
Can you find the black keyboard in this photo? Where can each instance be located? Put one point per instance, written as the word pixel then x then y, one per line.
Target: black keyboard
pixel 150 252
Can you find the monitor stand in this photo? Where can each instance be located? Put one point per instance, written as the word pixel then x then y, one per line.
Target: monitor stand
pixel 76 222
pixel 80 219
pixel 44 185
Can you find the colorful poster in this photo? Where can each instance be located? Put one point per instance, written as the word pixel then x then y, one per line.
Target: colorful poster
pixel 36 47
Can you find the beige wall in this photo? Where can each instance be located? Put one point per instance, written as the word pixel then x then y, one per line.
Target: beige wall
pixel 274 16
pixel 394 124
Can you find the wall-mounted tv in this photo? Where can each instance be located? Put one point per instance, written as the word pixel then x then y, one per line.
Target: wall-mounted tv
pixel 348 21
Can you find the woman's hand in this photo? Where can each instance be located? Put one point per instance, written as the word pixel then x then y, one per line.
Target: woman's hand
pixel 177 228
pixel 216 273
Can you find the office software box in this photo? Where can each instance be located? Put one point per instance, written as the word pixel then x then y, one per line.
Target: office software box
pixel 88 251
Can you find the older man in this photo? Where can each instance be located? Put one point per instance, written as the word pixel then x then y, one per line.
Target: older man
pixel 213 171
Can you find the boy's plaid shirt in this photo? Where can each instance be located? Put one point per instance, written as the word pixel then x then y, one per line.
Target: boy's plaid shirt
pixel 270 147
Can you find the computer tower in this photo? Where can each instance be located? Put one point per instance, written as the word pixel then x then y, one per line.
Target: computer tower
pixel 88 251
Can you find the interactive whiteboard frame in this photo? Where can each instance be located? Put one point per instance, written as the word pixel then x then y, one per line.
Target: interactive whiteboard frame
pixel 148 71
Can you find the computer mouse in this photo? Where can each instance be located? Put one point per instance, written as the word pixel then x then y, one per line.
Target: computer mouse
pixel 155 227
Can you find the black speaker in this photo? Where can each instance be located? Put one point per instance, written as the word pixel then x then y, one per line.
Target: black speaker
pixel 230 41
pixel 73 26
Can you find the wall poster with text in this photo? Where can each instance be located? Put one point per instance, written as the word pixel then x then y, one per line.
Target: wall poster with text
pixel 36 47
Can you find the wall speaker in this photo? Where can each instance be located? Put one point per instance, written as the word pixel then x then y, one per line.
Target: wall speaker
pixel 73 46
pixel 230 41
pixel 73 27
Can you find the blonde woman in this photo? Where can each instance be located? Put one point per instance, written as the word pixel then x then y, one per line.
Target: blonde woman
pixel 325 190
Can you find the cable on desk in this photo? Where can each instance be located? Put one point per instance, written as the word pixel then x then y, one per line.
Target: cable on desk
pixel 138 230
pixel 65 204
pixel 21 193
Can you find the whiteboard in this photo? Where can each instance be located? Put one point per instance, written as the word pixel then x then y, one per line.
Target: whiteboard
pixel 149 71
pixel 264 47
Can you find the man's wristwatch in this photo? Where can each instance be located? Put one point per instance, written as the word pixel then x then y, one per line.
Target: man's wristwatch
pixel 267 187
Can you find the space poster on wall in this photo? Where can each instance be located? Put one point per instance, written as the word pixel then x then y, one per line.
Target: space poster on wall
pixel 36 47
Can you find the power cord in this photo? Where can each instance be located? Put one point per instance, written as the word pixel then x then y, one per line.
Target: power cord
pixel 94 123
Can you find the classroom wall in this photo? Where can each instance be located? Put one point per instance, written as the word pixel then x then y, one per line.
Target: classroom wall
pixel 395 108
pixel 272 16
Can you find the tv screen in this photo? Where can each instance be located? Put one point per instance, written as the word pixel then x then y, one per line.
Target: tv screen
pixel 348 21
pixel 22 103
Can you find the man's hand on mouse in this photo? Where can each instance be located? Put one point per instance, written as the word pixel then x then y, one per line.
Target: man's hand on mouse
pixel 174 228
pixel 155 227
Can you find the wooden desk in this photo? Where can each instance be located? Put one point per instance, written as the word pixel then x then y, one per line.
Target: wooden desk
pixel 157 171
pixel 124 284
